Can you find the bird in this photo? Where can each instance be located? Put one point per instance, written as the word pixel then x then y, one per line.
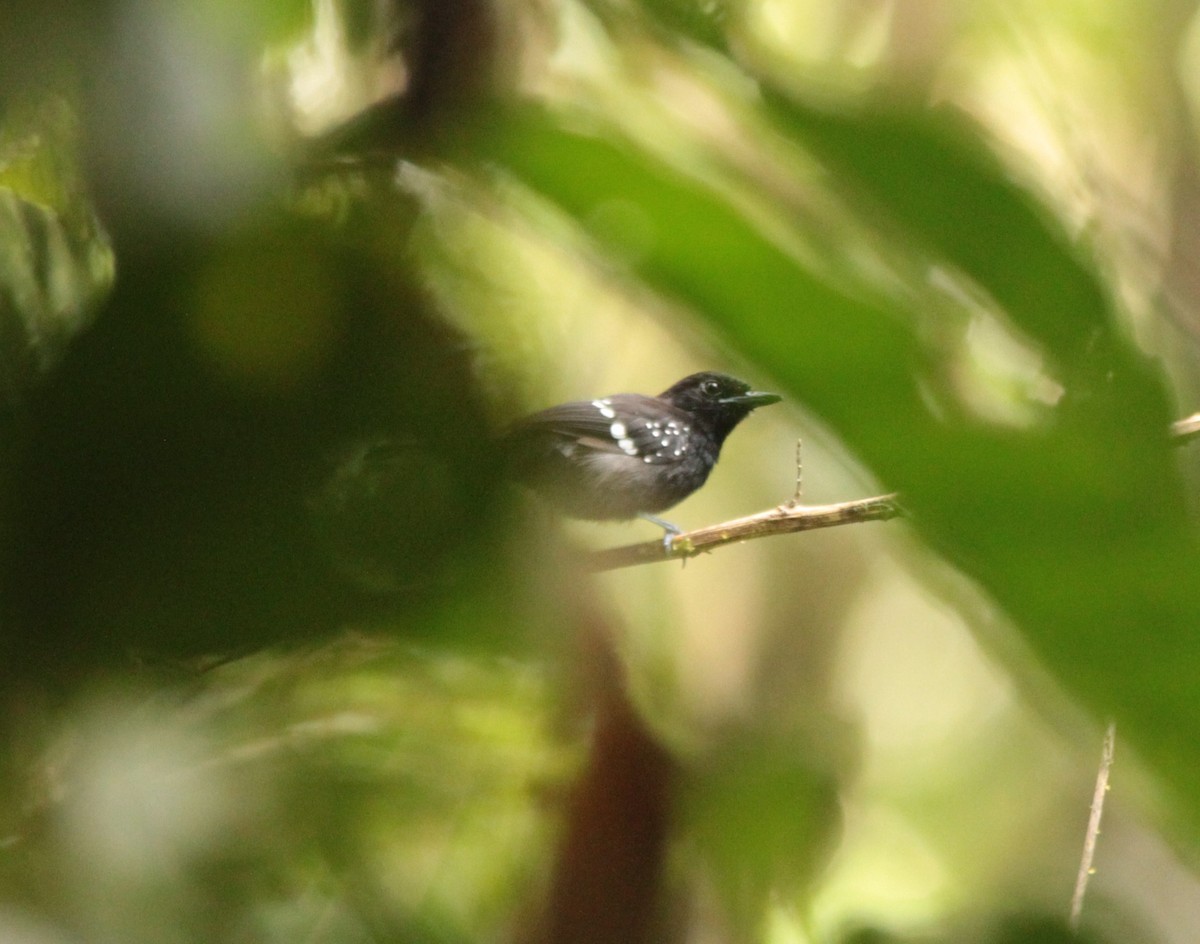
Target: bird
pixel 628 455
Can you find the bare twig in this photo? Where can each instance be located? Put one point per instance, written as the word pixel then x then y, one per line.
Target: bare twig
pixel 1186 429
pixel 799 473
pixel 1093 827
pixel 785 519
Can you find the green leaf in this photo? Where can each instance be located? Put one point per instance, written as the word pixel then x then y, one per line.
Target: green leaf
pixel 929 172
pixel 1077 527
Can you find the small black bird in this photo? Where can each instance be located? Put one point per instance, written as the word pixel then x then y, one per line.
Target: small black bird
pixel 628 455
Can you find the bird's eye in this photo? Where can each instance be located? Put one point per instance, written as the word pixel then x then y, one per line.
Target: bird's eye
pixel 711 388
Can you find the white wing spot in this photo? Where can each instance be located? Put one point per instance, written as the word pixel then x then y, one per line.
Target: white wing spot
pixel 605 408
pixel 618 431
pixel 627 446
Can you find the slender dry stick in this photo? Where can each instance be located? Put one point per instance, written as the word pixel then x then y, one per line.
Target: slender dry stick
pixel 799 473
pixel 1093 827
pixel 785 519
pixel 1187 428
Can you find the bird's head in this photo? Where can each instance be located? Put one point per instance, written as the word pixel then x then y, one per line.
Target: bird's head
pixel 718 399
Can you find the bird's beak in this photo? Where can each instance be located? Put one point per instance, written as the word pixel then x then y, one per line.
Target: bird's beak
pixel 753 399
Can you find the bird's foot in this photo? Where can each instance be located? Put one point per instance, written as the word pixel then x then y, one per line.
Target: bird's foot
pixel 670 531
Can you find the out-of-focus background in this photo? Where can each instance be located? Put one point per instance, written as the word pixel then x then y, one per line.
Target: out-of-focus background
pixel 285 659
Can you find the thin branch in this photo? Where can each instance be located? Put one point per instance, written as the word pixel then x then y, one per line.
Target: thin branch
pixel 1093 827
pixel 785 519
pixel 1186 429
pixel 799 473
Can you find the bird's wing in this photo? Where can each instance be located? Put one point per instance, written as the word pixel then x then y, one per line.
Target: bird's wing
pixel 626 424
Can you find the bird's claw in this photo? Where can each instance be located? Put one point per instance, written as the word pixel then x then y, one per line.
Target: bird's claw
pixel 670 531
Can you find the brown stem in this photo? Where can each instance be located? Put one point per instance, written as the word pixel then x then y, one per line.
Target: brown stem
pixel 784 519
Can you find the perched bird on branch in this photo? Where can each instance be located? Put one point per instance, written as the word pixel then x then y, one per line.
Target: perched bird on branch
pixel 628 455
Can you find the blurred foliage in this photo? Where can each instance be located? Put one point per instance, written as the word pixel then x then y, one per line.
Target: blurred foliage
pixel 193 437
pixel 275 427
pixel 763 818
pixel 284 780
pixel 56 258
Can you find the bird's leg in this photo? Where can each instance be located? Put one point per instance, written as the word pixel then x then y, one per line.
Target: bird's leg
pixel 670 531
